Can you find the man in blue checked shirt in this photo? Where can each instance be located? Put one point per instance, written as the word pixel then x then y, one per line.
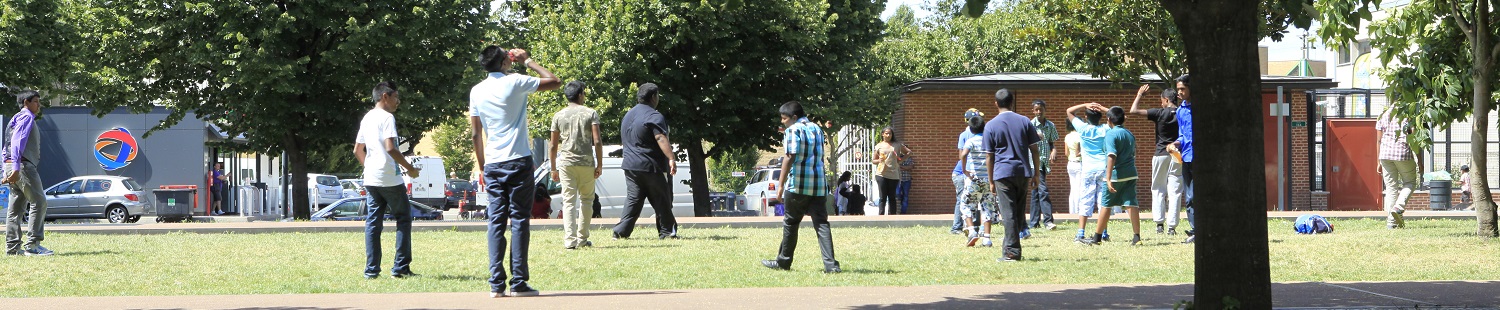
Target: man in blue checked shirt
pixel 805 188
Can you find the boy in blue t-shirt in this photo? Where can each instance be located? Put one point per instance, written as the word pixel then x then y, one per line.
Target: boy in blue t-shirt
pixel 1091 133
pixel 1120 176
pixel 979 201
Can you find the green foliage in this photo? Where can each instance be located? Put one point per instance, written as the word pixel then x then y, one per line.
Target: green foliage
pixel 454 144
pixel 290 76
pixel 937 46
pixel 35 47
pixel 1120 40
pixel 720 177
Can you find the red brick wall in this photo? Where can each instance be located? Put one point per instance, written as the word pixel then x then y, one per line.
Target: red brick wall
pixel 935 118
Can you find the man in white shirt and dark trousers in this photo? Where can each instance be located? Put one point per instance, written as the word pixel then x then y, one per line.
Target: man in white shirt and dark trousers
pixel 497 115
pixel 375 148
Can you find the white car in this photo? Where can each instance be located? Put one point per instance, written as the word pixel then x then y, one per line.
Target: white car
pixel 611 189
pixel 761 192
pixel 428 187
pixel 324 188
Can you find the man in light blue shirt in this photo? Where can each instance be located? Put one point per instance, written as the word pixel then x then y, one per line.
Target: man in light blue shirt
pixel 1092 134
pixel 497 116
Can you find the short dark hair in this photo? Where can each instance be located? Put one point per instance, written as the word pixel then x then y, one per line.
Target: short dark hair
pixel 1070 126
pixel 1184 80
pixel 1093 116
pixel 381 89
pixel 844 177
pixel 1171 95
pixel 493 58
pixel 573 90
pixel 1039 102
pixel 976 125
pixel 793 109
pixel 893 132
pixel 1117 115
pixel 646 92
pixel 1004 98
pixel 27 95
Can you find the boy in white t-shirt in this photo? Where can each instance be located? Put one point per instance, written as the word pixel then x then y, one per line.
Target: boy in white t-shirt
pixel 375 148
pixel 979 201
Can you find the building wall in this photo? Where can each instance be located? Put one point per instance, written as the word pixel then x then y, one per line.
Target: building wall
pixel 931 120
pixel 172 156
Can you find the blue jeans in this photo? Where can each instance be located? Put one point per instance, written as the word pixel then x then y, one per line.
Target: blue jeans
pixel 958 204
pixel 393 200
pixel 1187 192
pixel 903 193
pixel 511 187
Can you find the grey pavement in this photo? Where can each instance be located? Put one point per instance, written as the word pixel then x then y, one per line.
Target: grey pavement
pixel 235 224
pixel 1301 295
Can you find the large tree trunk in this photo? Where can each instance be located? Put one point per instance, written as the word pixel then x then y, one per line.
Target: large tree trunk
pixel 1484 204
pixel 297 160
pixel 697 160
pixel 1231 259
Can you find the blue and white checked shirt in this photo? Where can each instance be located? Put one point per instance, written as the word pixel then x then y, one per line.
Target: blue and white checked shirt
pixel 804 144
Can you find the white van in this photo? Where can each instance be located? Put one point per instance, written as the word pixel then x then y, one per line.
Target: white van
pixel 611 189
pixel 428 188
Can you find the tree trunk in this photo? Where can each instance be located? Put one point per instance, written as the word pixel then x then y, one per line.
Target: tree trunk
pixel 1231 258
pixel 697 161
pixel 1484 204
pixel 297 160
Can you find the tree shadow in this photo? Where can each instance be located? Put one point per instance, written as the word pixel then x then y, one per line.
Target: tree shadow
pixel 1402 295
pixel 870 271
pixel 462 278
pixel 635 246
pixel 89 253
pixel 711 238
pixel 588 294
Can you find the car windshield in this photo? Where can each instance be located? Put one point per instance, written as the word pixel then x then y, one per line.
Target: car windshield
pixel 459 185
pixel 328 181
pixel 131 185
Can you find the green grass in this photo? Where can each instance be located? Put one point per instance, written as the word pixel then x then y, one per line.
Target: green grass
pixel 193 264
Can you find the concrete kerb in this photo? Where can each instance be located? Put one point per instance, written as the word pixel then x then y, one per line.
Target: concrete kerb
pixel 212 226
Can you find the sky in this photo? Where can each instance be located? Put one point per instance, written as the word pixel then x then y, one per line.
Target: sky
pixel 1290 48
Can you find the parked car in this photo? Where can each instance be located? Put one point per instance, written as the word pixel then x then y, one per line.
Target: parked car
pixel 459 192
pixel 113 198
pixel 611 189
pixel 354 209
pixel 427 187
pixel 326 188
pixel 761 192
pixel 353 188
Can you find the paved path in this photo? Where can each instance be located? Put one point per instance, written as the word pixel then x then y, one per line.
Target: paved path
pixel 239 225
pixel 1304 295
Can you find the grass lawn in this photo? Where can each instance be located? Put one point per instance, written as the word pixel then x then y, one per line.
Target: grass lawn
pixel 193 264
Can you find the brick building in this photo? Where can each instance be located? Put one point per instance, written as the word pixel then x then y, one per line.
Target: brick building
pixel 931 117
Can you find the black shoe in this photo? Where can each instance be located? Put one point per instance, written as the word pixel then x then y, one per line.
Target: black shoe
pixel 1159 228
pixel 400 275
pixel 587 244
pixel 372 276
pixel 672 236
pixel 774 265
pixel 1172 232
pixel 1097 240
pixel 1136 240
pixel 617 236
pixel 1009 259
pixel 524 292
pixel 833 270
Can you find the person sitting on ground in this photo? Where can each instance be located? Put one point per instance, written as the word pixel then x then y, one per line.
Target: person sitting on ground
pixel 840 197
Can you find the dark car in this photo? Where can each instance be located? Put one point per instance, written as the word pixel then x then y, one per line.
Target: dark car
pixel 354 209
pixel 460 193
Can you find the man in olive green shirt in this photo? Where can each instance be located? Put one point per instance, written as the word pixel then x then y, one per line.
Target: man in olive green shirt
pixel 577 149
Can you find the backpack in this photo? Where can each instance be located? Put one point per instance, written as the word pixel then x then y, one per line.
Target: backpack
pixel 1312 224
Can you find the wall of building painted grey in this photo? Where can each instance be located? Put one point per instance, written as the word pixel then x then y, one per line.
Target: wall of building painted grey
pixel 171 156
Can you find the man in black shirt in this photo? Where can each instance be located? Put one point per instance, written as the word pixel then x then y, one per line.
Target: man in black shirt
pixel 1166 173
pixel 648 159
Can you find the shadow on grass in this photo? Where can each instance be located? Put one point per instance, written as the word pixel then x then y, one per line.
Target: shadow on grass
pixel 870 271
pixel 89 253
pixel 636 246
pixel 1367 295
pixel 462 278
pixel 711 238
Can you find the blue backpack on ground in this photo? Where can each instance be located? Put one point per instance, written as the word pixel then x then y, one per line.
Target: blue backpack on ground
pixel 1312 224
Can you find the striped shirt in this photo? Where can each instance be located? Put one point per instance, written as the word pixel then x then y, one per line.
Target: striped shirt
pixel 1048 131
pixel 804 145
pixel 1393 139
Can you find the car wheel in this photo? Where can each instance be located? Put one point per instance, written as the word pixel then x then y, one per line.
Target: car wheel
pixel 116 214
pixel 133 219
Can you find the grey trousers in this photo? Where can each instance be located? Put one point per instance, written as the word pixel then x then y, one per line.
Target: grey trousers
pixel 27 191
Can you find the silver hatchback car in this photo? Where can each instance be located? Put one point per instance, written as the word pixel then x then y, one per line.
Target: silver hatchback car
pixel 117 199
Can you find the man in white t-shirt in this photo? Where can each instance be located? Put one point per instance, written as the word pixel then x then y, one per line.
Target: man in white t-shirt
pixel 497 116
pixel 375 147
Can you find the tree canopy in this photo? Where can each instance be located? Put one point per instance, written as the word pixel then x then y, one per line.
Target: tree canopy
pixel 35 47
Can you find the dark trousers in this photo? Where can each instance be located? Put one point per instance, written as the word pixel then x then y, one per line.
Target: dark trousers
pixel 1187 193
pixel 393 200
pixel 511 186
pixel 889 204
pixel 642 186
pixel 1041 206
pixel 1012 196
pixel 796 206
